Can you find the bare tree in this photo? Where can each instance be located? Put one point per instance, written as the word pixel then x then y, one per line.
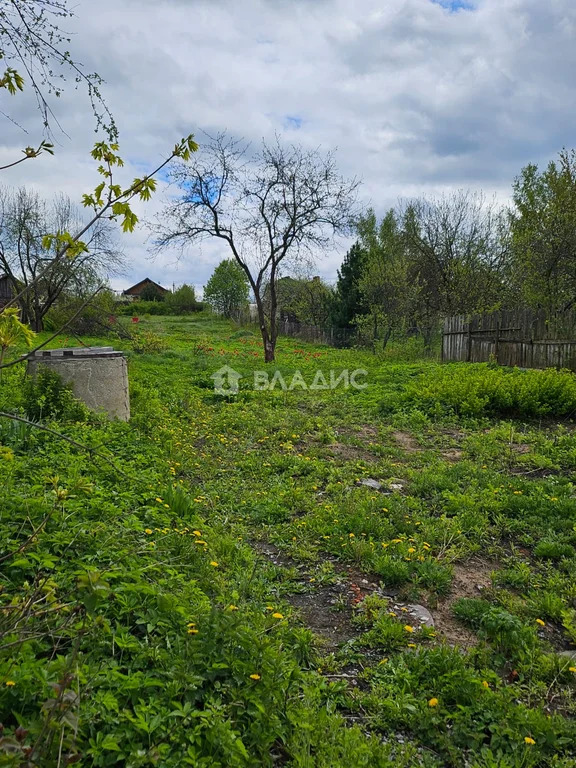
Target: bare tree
pixel 277 207
pixel 34 271
pixel 458 249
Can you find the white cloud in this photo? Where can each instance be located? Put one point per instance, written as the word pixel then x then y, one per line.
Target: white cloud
pixel 417 98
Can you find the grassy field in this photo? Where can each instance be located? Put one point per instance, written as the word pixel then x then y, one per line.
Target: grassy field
pixel 369 577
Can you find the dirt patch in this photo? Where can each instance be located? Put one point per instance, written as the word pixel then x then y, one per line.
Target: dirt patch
pixel 408 443
pixel 328 609
pixel 520 448
pixel 453 454
pixel 327 612
pixel 470 580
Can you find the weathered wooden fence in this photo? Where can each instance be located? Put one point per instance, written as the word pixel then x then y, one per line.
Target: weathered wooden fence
pixel 521 338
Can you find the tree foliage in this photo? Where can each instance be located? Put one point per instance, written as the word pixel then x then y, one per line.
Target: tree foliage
pixel 227 290
pixel 543 226
pixel 27 261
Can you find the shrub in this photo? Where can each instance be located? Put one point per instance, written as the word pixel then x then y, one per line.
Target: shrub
pixel 46 396
pixel 147 342
pixel 478 390
pixel 183 301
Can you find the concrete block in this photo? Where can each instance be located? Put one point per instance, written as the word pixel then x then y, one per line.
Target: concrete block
pixel 98 375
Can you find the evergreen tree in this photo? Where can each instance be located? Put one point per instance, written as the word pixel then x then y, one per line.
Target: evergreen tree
pixel 348 302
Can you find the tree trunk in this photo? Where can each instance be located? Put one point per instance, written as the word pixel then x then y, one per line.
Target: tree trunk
pixel 268 343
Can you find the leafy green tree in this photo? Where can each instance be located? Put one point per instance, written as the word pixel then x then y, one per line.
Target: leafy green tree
pixel 543 225
pixel 304 300
pixel 347 303
pixel 151 293
pixel 385 288
pixel 183 300
pixel 227 290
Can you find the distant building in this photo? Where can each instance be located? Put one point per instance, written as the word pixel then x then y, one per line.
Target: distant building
pixel 6 290
pixel 135 292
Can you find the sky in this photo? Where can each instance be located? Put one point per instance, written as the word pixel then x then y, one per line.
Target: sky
pixel 418 97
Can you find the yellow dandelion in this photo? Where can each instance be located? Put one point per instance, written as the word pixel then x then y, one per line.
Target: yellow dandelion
pixel 10 683
pixel 432 702
pixel 529 740
pixel 159 500
pixel 571 669
pixel 485 683
pixel 255 677
pixel 542 623
pixel 411 549
pixel 277 616
pixel 148 531
pixel 214 563
pixel 232 607
pixel 192 631
pixel 196 533
pixel 412 645
pixel 408 628
pixel 199 541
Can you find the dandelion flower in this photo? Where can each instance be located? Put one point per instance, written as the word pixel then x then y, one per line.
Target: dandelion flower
pixel 571 669
pixel 232 607
pixel 10 683
pixel 255 677
pixel 148 531
pixel 542 623
pixel 277 616
pixel 192 631
pixel 214 563
pixel 412 645
pixel 408 628
pixel 485 683
pixel 433 702
pixel 196 533
pixel 529 740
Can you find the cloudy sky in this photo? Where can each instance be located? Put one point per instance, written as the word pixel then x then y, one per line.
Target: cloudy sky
pixel 418 96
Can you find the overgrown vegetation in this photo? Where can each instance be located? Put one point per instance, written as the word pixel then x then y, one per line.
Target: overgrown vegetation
pixel 143 622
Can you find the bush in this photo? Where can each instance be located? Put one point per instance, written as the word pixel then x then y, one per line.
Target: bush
pixel 97 318
pixel 183 301
pixel 47 397
pixel 167 307
pixel 147 342
pixel 478 390
pixel 135 308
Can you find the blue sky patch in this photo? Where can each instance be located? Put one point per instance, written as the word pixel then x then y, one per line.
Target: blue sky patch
pixel 293 121
pixel 455 5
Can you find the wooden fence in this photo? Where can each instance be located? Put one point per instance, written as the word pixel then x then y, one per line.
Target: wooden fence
pixel 521 338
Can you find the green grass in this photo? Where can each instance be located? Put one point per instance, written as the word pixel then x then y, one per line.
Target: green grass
pixel 141 624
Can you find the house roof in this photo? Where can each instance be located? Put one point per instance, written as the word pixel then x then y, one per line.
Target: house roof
pixel 137 289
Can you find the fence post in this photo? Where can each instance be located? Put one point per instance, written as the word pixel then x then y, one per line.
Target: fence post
pixel 469 349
